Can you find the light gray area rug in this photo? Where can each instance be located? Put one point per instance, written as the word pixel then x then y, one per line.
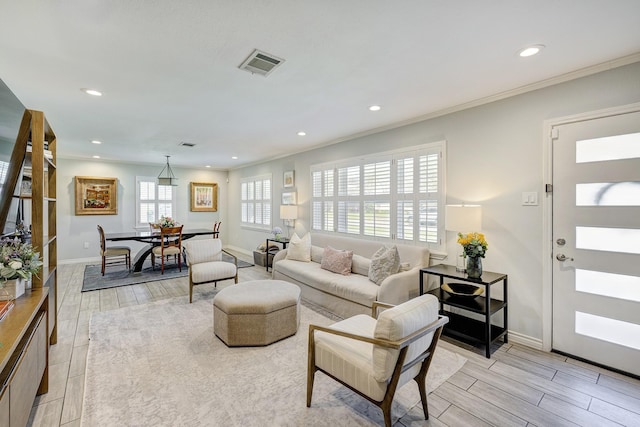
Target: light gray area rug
pixel 160 364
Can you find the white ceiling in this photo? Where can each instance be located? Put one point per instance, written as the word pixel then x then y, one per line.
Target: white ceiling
pixel 169 69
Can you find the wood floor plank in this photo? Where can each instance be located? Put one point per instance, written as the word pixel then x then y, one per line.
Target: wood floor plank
pixel 605 371
pixel 108 299
pixel 554 361
pixel 477 406
pixel 142 293
pixel 596 390
pixel 614 413
pixel 475 357
pixel 46 414
pixel 526 365
pixel 620 385
pixel 455 416
pixel 461 380
pixel 517 407
pixel 561 391
pixel 572 413
pixel 126 296
pixel 78 360
pixel 514 388
pixel 72 406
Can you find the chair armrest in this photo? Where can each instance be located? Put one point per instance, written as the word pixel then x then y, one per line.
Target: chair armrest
pixel 376 304
pixel 235 258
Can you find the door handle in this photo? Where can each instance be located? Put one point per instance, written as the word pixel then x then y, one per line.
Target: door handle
pixel 562 257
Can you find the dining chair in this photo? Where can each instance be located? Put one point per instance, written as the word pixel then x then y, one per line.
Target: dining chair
pixel 216 229
pixel 170 244
pixel 113 255
pixel 375 355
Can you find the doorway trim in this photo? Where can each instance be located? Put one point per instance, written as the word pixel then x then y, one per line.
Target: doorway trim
pixel 547 207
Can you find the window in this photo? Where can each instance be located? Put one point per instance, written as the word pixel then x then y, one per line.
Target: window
pixel 396 196
pixel 255 205
pixel 153 201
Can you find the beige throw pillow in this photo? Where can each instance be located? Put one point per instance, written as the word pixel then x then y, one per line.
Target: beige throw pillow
pixel 299 249
pixel 360 265
pixel 337 261
pixel 384 263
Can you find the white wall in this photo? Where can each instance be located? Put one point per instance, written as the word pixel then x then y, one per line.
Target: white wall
pixel 494 154
pixel 74 230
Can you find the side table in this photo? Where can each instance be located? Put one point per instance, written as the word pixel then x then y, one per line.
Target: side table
pixel 282 241
pixel 461 326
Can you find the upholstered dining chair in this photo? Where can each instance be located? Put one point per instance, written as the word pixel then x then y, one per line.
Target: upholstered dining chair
pixel 170 244
pixel 375 357
pixel 113 255
pixel 204 258
pixel 216 229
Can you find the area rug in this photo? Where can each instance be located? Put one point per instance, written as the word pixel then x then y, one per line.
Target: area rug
pixel 160 364
pixel 114 277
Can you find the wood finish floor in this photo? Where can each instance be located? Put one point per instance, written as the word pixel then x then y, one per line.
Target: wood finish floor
pixel 518 386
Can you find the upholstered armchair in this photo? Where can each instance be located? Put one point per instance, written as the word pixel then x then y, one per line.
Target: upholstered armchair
pixel 374 357
pixel 204 258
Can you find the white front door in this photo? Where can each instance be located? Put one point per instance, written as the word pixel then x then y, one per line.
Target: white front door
pixel 596 240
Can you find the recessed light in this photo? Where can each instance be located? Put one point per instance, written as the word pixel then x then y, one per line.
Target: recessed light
pixel 92 92
pixel 96 157
pixel 95 141
pixel 375 108
pixel 234 157
pixel 530 50
pixel 302 133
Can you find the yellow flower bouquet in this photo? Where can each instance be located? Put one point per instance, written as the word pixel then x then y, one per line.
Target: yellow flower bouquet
pixel 474 244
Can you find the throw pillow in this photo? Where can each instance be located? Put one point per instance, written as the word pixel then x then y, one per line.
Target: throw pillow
pixel 384 263
pixel 299 249
pixel 337 261
pixel 360 265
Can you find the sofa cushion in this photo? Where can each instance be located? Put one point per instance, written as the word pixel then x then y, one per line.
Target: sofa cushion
pixel 336 261
pixel 316 253
pixel 360 265
pixel 299 249
pixel 384 263
pixel 354 287
pixel 398 322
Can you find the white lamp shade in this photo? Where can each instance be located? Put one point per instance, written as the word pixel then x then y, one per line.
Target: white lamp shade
pixel 463 218
pixel 288 212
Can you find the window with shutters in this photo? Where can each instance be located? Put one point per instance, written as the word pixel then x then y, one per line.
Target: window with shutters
pixel 395 195
pixel 153 201
pixel 255 202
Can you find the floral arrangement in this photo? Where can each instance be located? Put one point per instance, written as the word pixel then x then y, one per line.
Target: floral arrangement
pixel 473 244
pixel 167 221
pixel 17 259
pixel 277 232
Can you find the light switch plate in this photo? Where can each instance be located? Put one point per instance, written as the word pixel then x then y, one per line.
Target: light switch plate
pixel 530 198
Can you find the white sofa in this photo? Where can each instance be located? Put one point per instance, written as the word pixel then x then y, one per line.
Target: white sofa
pixel 351 294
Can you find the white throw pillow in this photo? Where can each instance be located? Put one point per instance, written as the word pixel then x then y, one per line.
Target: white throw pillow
pixel 384 263
pixel 360 265
pixel 299 249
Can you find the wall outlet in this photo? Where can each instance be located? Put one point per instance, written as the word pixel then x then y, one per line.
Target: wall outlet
pixel 86 245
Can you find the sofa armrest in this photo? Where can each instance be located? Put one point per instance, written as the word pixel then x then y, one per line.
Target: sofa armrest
pixel 400 287
pixel 278 256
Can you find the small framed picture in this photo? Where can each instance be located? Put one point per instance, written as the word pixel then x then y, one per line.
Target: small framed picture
pixel 288 179
pixel 204 197
pixel 288 197
pixel 96 195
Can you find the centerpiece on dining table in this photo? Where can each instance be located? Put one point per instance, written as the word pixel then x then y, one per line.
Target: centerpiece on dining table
pixel 165 222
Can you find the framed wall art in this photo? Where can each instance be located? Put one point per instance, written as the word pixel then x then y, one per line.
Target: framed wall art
pixel 288 179
pixel 204 197
pixel 96 195
pixel 288 197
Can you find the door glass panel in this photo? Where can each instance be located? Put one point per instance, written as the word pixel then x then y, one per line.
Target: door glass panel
pixel 615 147
pixel 608 194
pixel 608 284
pixel 608 239
pixel 610 330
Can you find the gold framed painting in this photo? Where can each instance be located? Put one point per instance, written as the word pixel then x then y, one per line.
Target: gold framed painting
pixel 96 195
pixel 204 197
pixel 288 179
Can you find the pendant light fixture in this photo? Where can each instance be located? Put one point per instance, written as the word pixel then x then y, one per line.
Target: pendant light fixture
pixel 169 178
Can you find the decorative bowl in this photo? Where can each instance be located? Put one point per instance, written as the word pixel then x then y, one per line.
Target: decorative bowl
pixel 463 290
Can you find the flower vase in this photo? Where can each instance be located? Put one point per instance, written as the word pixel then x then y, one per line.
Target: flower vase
pixel 278 236
pixel 14 287
pixel 474 267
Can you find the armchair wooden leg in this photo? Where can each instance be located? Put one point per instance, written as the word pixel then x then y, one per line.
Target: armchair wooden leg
pixel 422 387
pixel 311 366
pixel 190 288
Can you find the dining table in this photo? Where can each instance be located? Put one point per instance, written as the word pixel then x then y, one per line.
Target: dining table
pixel 152 239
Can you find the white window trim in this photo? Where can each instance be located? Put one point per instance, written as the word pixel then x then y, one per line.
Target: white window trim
pixel 435 247
pixel 253 225
pixel 174 199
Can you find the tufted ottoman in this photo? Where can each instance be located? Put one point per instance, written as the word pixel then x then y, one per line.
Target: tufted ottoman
pixel 259 312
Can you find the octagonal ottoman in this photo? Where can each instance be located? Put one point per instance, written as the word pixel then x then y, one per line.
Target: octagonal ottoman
pixel 256 313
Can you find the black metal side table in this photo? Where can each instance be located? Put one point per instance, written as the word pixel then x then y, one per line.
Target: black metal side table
pixel 461 326
pixel 282 241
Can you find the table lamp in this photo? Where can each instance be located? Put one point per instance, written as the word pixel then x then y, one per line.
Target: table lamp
pixel 462 219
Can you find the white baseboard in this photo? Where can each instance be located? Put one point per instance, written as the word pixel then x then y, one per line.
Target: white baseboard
pixel 241 250
pixel 517 338
pixel 93 260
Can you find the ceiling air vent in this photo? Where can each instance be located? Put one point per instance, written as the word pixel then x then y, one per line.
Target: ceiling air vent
pixel 187 144
pixel 261 63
